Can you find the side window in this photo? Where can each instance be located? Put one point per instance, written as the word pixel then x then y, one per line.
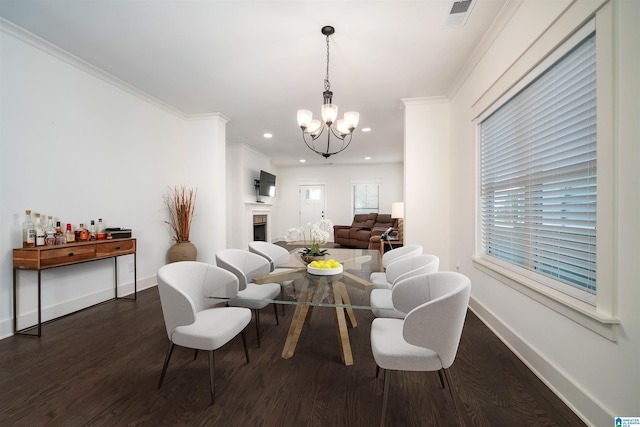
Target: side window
pixel 538 176
pixel 366 198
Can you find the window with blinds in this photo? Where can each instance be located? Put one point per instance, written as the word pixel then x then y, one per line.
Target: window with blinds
pixel 538 176
pixel 365 198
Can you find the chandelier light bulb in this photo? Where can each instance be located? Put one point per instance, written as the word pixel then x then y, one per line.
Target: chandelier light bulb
pixel 329 113
pixel 314 127
pixel 304 118
pixel 342 127
pixel 352 118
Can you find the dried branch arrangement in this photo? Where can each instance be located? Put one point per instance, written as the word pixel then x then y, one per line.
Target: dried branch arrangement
pixel 180 203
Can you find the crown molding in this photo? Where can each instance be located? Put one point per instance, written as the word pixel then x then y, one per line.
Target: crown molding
pixel 405 102
pixel 208 116
pixel 500 22
pixel 19 33
pixel 250 148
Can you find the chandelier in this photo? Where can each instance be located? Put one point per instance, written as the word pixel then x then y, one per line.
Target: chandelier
pixel 341 130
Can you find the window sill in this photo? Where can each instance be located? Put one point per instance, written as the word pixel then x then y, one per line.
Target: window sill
pixel 576 310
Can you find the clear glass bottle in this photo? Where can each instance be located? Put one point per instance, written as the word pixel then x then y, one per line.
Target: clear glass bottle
pixel 93 234
pixel 39 231
pixel 61 239
pixel 101 230
pixel 84 233
pixel 49 232
pixel 71 237
pixel 28 231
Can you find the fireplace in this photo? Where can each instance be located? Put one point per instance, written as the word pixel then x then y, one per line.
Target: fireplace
pixel 259 228
pixel 257 222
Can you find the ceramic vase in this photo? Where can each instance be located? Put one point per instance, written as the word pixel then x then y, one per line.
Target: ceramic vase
pixel 307 259
pixel 183 251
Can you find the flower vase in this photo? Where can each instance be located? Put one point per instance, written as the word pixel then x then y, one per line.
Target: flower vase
pixel 183 251
pixel 308 258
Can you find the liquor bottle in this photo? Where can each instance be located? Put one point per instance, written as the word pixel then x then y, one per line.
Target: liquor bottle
pixel 28 231
pixel 84 234
pixel 101 230
pixel 93 235
pixel 39 231
pixel 61 239
pixel 71 237
pixel 50 232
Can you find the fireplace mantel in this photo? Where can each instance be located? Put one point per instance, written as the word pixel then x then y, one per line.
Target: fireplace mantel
pixel 253 209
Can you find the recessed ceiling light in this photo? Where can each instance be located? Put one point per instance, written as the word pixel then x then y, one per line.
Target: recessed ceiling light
pixel 302 160
pixel 267 135
pixel 367 158
pixel 366 129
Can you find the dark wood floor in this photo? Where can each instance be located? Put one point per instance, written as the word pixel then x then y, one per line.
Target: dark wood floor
pixel 100 367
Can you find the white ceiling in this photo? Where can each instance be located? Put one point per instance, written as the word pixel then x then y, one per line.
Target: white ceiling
pixel 258 62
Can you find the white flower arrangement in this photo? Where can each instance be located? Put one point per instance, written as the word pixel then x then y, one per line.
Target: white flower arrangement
pixel 319 234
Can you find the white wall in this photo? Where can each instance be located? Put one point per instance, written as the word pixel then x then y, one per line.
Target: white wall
pixel 243 168
pixel 204 166
pixel 426 179
pixel 76 145
pixel 598 378
pixel 337 180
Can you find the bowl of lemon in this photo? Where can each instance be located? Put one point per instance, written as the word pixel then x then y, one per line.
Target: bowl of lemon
pixel 324 268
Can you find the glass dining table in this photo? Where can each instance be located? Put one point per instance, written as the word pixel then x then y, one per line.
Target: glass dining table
pixel 342 293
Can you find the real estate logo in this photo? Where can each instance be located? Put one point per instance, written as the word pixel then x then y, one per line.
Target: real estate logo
pixel 627 422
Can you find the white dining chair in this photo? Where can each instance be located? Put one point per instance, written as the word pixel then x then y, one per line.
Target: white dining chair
pixel 380 297
pixel 277 256
pixel 410 265
pixel 427 339
pixel 393 255
pixel 191 319
pixel 245 266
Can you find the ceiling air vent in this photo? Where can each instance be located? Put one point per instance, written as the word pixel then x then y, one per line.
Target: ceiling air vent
pixel 460 11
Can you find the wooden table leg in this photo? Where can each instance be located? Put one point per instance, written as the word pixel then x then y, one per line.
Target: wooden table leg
pixel 300 316
pixel 347 301
pixel 341 324
pixel 295 329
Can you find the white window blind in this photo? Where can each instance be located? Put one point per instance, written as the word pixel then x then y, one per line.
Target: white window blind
pixel 538 176
pixel 365 198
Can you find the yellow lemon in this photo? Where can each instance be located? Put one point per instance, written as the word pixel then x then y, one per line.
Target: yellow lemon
pixel 314 264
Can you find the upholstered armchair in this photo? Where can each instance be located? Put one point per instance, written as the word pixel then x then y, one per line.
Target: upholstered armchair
pixel 245 266
pixel 427 339
pixel 192 320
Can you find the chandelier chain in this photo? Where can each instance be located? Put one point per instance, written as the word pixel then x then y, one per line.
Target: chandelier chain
pixel 327 84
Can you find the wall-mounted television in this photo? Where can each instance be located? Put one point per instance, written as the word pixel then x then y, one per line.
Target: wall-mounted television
pixel 267 184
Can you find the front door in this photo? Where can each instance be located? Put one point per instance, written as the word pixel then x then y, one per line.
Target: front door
pixel 312 204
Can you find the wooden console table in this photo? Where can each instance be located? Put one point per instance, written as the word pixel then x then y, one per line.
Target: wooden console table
pixel 46 257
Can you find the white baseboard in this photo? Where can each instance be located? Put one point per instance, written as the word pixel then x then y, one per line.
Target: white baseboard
pixel 84 301
pixel 577 399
